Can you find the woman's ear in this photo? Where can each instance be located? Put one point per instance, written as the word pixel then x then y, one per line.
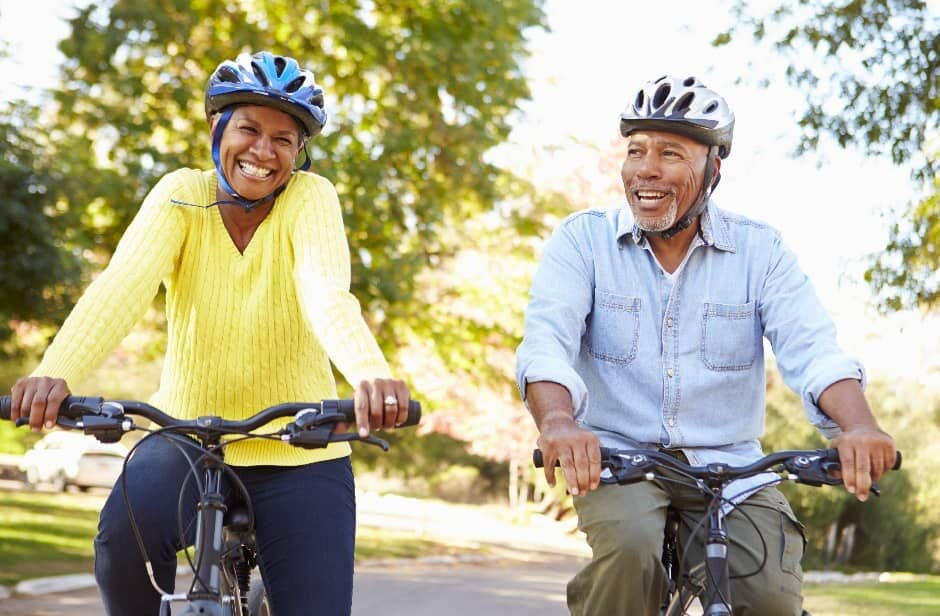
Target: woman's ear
pixel 213 121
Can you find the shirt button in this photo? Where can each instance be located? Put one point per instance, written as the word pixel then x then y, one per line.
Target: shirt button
pixel 672 421
pixel 669 373
pixel 669 322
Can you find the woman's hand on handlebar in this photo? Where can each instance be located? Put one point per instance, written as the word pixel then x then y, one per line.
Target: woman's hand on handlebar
pixel 38 398
pixel 577 451
pixel 380 403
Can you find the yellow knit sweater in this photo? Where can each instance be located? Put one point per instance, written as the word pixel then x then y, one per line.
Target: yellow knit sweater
pixel 245 331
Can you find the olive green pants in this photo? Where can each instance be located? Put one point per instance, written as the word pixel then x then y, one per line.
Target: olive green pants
pixel 624 527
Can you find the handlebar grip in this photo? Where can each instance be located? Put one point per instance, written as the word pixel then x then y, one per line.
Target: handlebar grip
pixel 832 455
pixel 414 414
pixel 347 407
pixel 538 462
pixel 65 409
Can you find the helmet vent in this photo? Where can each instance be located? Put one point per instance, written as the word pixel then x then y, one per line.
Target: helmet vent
pixel 295 84
pixel 712 106
pixel 227 75
pixel 259 74
pixel 280 64
pixel 684 103
pixel 662 93
pixel 689 82
pixel 640 100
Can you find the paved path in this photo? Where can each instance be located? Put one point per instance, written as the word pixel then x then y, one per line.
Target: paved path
pixel 522 570
pixel 493 588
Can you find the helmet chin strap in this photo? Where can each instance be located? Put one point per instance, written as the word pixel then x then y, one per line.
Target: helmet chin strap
pixel 708 186
pixel 237 199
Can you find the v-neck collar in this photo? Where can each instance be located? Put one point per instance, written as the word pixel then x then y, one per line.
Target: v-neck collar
pixel 221 222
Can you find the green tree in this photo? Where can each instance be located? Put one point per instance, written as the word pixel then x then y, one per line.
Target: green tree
pixel 899 530
pixel 418 91
pixel 870 70
pixel 37 274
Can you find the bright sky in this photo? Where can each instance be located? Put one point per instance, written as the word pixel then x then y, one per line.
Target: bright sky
pixel 829 208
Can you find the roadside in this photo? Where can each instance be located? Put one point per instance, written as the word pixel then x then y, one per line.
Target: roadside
pixel 488 541
pixel 481 534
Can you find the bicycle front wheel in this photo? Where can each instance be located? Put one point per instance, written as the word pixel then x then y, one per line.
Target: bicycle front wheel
pixel 686 601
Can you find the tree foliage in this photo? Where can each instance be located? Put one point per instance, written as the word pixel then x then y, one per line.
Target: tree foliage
pixel 870 71
pixel 899 530
pixel 36 275
pixel 417 92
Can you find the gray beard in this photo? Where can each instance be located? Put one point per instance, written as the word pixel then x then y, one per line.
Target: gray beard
pixel 657 223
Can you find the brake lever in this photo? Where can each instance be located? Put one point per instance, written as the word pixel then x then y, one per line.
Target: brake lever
pixel 814 471
pixel 318 437
pixel 630 470
pixel 314 437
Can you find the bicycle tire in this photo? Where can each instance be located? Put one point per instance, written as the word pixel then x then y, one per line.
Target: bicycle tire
pixel 258 604
pixel 686 600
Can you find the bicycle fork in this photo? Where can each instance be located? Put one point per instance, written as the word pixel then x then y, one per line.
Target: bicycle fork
pixel 204 593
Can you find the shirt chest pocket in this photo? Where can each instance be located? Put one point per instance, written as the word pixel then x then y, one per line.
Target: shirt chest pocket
pixel 729 336
pixel 614 331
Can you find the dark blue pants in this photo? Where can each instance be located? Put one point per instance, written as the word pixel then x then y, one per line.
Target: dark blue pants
pixel 305 521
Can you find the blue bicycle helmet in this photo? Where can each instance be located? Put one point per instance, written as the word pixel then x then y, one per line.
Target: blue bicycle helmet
pixel 269 80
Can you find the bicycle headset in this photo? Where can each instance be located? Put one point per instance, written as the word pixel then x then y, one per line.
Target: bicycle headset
pixel 689 108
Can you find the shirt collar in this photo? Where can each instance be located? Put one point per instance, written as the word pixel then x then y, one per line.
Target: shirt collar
pixel 712 228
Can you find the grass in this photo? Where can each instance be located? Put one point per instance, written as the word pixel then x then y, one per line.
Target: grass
pixel 44 534
pixel 902 598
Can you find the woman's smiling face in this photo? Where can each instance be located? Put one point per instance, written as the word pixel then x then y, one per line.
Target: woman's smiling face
pixel 258 149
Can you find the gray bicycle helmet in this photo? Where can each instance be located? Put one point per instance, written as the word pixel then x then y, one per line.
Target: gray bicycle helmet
pixel 270 80
pixel 683 106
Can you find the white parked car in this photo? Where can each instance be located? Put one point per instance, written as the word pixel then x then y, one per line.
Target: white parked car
pixel 62 458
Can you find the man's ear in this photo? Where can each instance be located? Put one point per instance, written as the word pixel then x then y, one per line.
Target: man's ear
pixel 717 172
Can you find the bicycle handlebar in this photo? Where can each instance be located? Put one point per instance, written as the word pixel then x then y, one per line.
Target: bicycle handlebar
pixel 107 419
pixel 811 467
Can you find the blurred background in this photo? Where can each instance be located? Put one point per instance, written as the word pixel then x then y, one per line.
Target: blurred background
pixel 460 133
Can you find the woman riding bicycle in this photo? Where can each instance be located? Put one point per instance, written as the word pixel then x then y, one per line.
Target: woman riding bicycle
pixel 254 259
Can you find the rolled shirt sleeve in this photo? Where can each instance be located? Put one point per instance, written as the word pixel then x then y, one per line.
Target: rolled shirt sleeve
pixel 561 298
pixel 803 337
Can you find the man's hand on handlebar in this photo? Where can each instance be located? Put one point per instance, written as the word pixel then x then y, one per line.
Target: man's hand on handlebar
pixel 380 404
pixel 38 398
pixel 575 449
pixel 865 454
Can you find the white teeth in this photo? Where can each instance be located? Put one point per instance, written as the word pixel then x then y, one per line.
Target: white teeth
pixel 650 194
pixel 258 172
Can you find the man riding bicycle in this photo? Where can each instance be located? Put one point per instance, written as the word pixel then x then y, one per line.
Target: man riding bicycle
pixel 254 259
pixel 645 330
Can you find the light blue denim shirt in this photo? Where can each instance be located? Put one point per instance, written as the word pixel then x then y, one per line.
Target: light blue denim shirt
pixel 653 360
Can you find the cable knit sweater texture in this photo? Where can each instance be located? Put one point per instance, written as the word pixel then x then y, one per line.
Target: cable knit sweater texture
pixel 245 330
